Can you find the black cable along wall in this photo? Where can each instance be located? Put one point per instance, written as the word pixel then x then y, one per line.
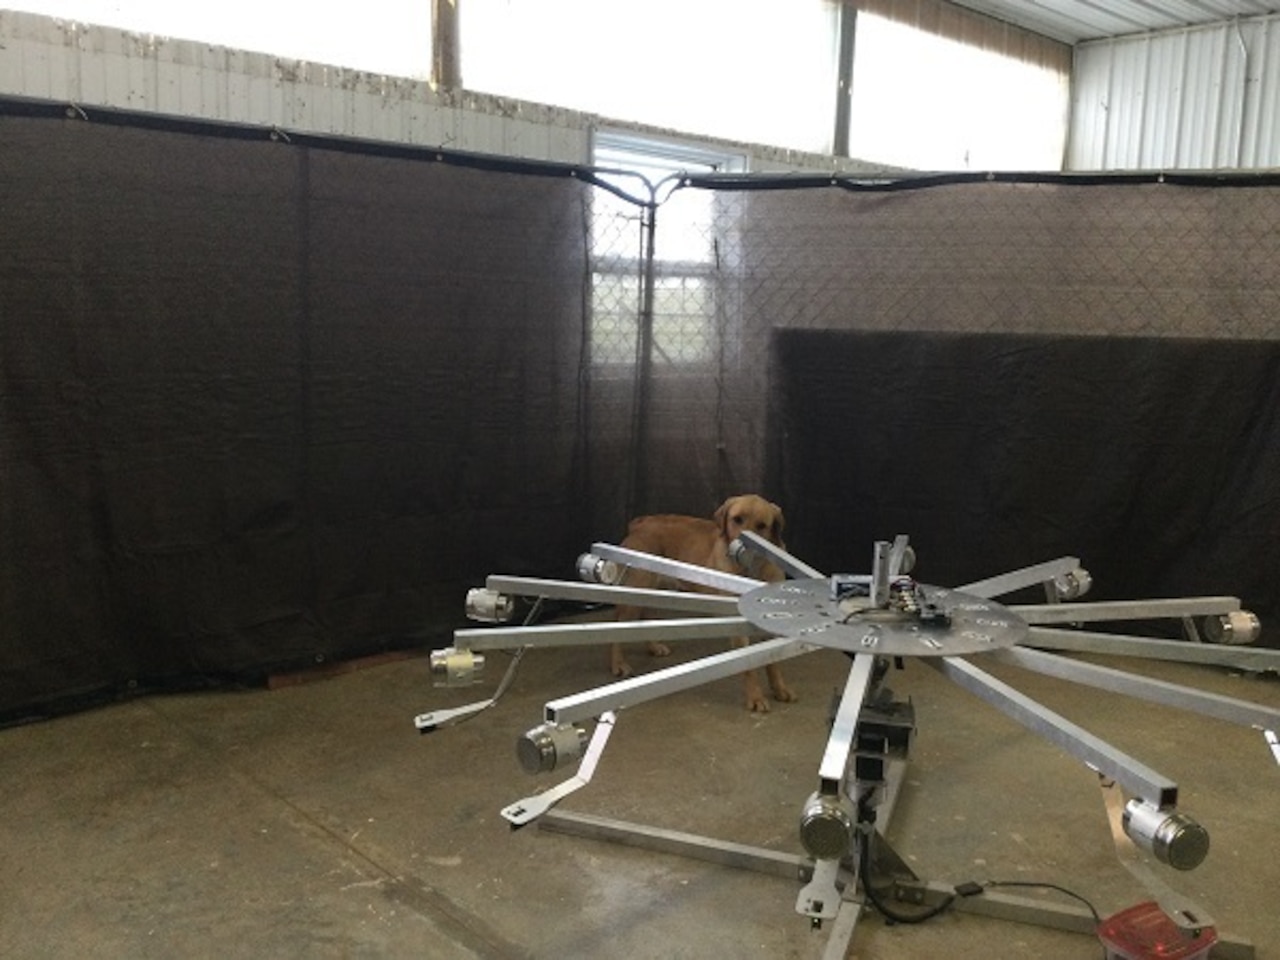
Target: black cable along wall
pixel 267 401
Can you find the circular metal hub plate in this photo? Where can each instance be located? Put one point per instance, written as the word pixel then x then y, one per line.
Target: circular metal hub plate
pixel 805 610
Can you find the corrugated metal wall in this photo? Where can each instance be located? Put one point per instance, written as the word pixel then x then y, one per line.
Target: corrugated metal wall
pixel 967 26
pixel 1196 99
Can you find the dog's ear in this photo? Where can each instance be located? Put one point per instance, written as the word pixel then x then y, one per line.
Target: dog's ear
pixel 721 517
pixel 779 521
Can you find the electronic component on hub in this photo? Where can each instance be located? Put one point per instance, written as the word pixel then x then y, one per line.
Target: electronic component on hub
pixel 905 596
pixel 844 585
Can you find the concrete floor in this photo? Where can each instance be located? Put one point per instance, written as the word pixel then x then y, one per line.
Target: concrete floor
pixel 314 821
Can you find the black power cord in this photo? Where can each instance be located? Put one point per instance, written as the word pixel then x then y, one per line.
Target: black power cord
pixel 1097 920
pixel 889 913
pixel 971 889
pixel 961 890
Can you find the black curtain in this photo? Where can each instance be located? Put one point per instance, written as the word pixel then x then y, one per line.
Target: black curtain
pixel 1156 461
pixel 265 404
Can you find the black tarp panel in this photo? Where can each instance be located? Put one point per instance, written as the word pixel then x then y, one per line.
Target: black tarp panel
pixel 1107 256
pixel 264 404
pixel 1156 461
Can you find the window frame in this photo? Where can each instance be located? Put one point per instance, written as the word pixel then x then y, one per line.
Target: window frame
pixel 614 150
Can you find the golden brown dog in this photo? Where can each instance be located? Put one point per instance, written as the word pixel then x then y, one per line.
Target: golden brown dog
pixel 706 543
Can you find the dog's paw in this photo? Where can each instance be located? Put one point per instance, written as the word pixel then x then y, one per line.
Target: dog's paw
pixel 784 694
pixel 757 703
pixel 620 669
pixel 659 650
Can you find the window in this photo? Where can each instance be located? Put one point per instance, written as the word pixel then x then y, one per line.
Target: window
pixel 925 102
pixel 757 71
pixel 686 262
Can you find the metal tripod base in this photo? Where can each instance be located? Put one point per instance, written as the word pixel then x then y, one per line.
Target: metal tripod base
pixel 904 888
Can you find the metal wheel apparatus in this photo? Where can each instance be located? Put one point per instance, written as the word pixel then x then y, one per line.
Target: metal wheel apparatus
pixel 877 619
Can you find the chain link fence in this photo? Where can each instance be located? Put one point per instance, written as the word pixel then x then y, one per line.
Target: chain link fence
pixel 736 259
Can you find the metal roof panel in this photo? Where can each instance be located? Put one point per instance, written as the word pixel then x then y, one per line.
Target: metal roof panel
pixel 1074 21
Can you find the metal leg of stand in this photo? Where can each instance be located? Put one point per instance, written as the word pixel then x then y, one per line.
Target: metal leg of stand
pixel 787 866
pixel 692 846
pixel 993 904
pixel 842 930
pixel 772 863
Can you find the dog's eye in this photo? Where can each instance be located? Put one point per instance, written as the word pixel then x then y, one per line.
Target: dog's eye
pixel 738 521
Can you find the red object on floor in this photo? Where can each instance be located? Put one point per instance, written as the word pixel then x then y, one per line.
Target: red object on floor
pixel 1145 932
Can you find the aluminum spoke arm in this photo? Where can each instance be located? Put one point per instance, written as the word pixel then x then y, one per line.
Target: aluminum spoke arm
pixel 673 600
pixel 676 569
pixel 827 829
pixel 1042 613
pixel 606 631
pixel 1025 577
pixel 793 565
pixel 840 743
pixel 530 808
pixel 1143 688
pixel 1061 732
pixel 651 686
pixel 1083 641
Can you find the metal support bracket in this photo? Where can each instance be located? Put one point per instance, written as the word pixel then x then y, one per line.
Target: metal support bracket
pixel 820 898
pixel 525 811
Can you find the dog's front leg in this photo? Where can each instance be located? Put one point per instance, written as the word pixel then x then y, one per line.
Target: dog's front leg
pixel 618 665
pixel 756 700
pixel 777 686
